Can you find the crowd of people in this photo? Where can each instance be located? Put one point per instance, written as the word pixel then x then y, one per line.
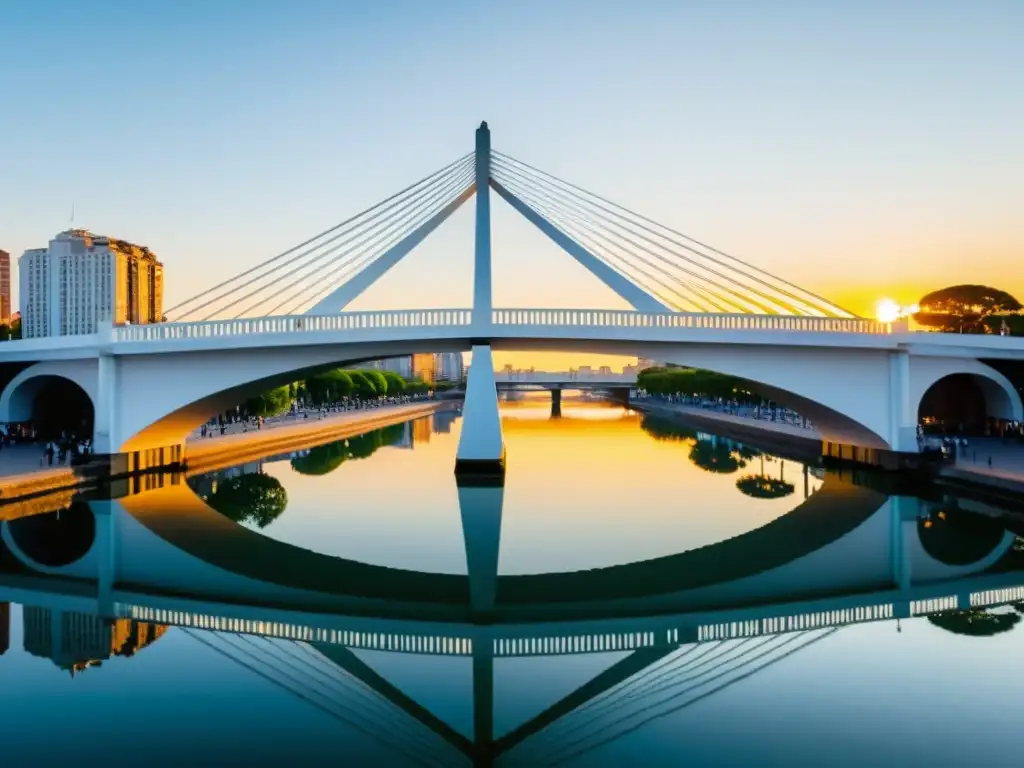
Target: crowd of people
pixel 242 422
pixel 760 411
pixel 66 450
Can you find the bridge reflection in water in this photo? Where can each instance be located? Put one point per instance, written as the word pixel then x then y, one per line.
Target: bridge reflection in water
pixel 688 625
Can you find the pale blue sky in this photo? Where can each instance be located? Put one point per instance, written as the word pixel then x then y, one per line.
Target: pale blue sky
pixel 857 148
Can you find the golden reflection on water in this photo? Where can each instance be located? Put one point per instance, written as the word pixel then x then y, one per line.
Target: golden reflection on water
pixel 586 490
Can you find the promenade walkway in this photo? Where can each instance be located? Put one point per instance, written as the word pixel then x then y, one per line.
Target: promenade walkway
pixel 992 461
pixel 24 471
pixel 743 416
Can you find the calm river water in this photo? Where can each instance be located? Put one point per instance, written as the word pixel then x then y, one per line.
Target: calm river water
pixel 638 593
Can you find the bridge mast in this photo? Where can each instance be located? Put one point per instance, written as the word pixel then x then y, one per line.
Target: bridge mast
pixel 482 302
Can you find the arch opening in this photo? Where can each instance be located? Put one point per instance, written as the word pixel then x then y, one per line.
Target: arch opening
pixel 55 407
pixel 174 428
pixel 965 404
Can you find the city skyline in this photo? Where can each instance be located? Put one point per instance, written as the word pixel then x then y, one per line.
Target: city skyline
pixel 798 151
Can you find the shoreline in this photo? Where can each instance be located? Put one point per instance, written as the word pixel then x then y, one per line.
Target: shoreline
pixel 209 454
pixel 789 441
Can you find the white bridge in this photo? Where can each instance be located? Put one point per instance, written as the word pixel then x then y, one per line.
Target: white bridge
pixel 859 380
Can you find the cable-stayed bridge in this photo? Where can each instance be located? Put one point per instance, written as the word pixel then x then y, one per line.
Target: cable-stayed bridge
pixel 859 380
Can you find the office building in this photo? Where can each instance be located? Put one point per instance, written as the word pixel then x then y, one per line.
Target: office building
pixel 81 280
pixel 5 288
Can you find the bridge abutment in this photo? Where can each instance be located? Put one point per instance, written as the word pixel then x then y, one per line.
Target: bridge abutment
pixel 481 445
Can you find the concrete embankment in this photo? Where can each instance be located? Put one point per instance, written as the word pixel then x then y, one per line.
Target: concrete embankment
pixel 776 437
pixel 206 455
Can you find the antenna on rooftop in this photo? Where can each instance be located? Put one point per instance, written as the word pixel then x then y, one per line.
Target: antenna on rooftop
pixel 72 214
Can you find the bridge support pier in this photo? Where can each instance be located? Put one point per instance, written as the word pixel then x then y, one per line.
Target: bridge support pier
pixel 556 403
pixel 480 505
pixel 481 449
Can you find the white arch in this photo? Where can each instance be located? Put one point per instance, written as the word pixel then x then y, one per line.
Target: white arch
pixel 19 395
pixel 1002 401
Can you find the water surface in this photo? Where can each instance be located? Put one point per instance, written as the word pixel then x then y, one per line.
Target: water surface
pixel 638 593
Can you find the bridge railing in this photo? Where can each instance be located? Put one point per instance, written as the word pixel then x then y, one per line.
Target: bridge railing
pixel 345 321
pixel 628 319
pixel 452 318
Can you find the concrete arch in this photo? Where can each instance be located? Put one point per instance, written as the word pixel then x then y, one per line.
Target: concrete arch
pixel 844 391
pixel 19 395
pixel 1002 401
pixel 206 384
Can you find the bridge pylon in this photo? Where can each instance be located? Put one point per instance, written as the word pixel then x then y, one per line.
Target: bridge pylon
pixel 481 451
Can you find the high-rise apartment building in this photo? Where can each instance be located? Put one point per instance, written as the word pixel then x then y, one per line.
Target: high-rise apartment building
pixel 5 288
pixel 400 365
pixel 76 641
pixel 83 279
pixel 448 366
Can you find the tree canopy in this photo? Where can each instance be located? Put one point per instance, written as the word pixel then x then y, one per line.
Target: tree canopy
pixel 254 498
pixel 273 402
pixel 691 381
pixel 965 308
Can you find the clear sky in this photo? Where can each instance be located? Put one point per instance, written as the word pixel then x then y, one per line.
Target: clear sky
pixel 858 149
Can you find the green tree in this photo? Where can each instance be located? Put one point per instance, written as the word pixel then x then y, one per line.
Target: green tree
pixel 396 384
pixel 329 387
pixel 270 403
pixel 362 385
pixel 254 498
pixel 965 308
pixel 379 381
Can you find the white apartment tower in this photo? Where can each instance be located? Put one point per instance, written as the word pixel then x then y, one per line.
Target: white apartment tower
pixel 83 279
pixel 449 366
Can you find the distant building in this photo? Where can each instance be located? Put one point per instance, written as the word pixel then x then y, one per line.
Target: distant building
pixel 83 279
pixel 5 288
pixel 449 366
pixel 423 367
pixel 631 370
pixel 400 365
pixel 76 641
pixel 584 371
pixel 604 370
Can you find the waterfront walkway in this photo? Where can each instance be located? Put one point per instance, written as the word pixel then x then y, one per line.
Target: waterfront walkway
pixel 24 471
pixel 990 461
pixel 743 417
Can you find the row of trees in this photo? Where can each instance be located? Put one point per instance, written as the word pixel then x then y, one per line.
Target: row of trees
pixel 692 381
pixel 334 386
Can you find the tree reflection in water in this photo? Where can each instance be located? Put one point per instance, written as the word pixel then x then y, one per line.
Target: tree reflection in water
pixel 710 453
pixel 254 498
pixel 324 459
pixel 975 622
